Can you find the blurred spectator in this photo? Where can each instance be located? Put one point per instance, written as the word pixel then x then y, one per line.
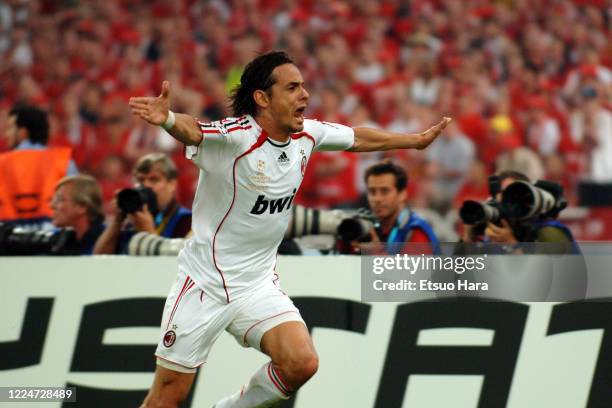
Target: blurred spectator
pixel 502 134
pixel 591 127
pixel 425 88
pixel 30 170
pixel 590 71
pixel 452 155
pixel 112 134
pixel 77 204
pixel 543 132
pixel 368 70
pixel 158 173
pixel 521 159
pixel 556 170
pixel 475 186
pixel 112 177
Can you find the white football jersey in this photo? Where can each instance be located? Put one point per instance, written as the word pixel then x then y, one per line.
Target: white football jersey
pixel 243 200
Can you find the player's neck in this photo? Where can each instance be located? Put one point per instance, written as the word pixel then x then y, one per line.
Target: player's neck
pixel 272 129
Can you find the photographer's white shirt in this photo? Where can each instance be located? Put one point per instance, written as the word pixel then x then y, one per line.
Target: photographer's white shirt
pixel 245 191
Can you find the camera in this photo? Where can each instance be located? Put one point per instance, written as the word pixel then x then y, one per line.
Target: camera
pixel 356 228
pixel 520 201
pixel 146 244
pixel 474 212
pixel 16 240
pixel 525 200
pixel 131 200
pixel 346 225
pixel 310 221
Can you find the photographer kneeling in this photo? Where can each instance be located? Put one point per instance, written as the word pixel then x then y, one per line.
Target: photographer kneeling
pixel 149 207
pixel 398 226
pixel 518 212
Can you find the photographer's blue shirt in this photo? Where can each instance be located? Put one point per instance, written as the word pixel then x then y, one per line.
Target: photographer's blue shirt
pixel 174 222
pixel 407 222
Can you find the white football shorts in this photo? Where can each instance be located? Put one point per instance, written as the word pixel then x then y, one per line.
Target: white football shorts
pixel 192 321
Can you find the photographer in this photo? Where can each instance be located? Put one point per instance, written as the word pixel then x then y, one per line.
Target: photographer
pixel 150 207
pixel 386 185
pixel 77 217
pixel 30 171
pixel 503 224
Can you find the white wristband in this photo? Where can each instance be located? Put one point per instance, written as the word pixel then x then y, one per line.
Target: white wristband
pixel 169 123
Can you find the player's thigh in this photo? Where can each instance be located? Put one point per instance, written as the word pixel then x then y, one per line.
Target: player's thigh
pixel 263 310
pixel 191 324
pixel 289 342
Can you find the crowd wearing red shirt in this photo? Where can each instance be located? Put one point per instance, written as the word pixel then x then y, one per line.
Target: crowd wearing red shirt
pixel 528 83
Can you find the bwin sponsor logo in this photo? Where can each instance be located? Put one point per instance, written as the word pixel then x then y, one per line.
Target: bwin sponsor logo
pixel 273 205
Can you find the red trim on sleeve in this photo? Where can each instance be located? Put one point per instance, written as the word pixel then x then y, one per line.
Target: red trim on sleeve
pixel 239 128
pixel 304 134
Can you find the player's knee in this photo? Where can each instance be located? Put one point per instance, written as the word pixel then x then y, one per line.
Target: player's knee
pixel 309 366
pixel 301 367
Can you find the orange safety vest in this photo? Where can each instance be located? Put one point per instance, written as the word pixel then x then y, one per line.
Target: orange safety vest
pixel 27 181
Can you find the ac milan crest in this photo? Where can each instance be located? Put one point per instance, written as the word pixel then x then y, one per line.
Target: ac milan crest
pixel 169 338
pixel 303 165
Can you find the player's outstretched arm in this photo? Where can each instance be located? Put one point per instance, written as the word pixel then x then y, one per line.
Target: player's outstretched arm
pixel 371 140
pixel 156 110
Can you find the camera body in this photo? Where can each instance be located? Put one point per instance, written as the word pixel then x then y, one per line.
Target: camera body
pixel 131 200
pixel 18 241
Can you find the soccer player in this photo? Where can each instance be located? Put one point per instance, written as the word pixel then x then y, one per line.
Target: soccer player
pixel 251 167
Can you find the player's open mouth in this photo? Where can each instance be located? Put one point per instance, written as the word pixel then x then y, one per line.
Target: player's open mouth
pixel 299 112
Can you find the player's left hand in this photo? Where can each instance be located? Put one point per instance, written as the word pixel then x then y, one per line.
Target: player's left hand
pixel 143 220
pixel 432 133
pixel 502 234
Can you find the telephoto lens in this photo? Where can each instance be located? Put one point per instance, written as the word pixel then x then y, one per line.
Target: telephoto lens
pixel 524 200
pixel 474 212
pixel 355 229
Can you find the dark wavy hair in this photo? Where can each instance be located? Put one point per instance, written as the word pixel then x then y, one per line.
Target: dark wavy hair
pixel 388 167
pixel 257 75
pixel 34 120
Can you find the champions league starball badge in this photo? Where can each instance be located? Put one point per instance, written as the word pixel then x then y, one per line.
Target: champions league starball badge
pixel 169 338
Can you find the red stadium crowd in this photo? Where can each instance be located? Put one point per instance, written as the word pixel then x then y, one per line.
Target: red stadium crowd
pixel 528 83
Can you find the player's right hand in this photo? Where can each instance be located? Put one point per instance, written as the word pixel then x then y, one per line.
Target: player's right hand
pixel 152 109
